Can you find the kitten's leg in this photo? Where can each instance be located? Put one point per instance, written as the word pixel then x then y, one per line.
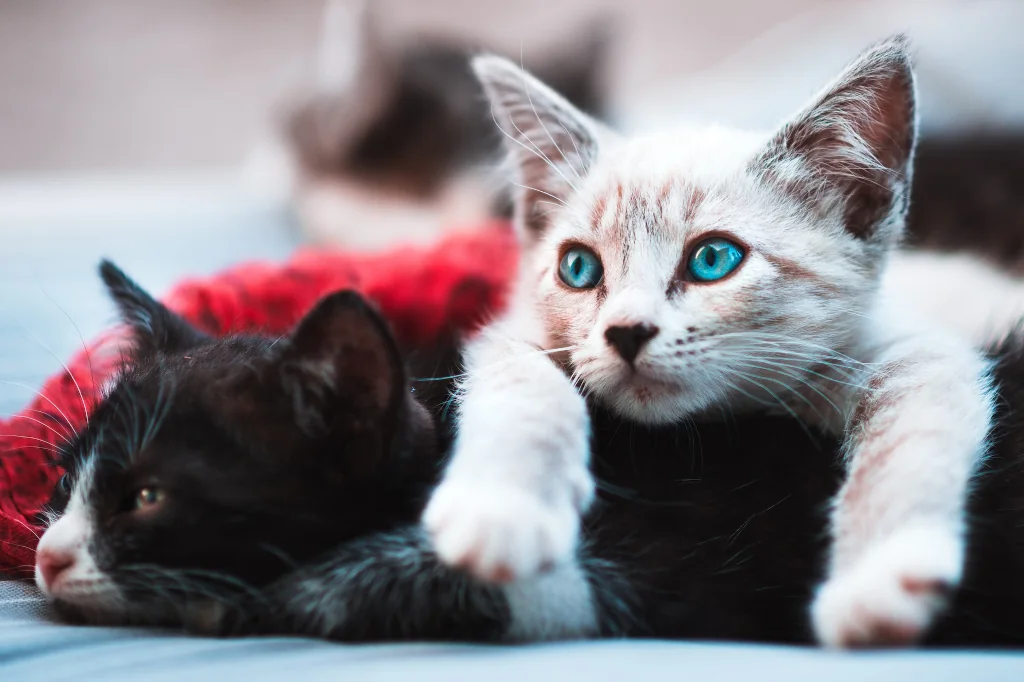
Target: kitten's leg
pixel 914 439
pixel 391 585
pixel 518 480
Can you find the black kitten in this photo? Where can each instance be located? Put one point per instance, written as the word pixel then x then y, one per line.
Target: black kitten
pixel 243 485
pixel 214 466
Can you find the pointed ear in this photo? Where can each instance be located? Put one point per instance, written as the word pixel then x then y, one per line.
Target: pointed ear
pixel 351 49
pixel 551 144
pixel 342 363
pixel 857 138
pixel 155 329
pixel 357 79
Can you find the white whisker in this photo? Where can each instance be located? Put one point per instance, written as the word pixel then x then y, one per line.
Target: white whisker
pixel 777 399
pixel 40 394
pixel 755 366
pixel 529 98
pixel 41 423
pixel 536 152
pixel 540 191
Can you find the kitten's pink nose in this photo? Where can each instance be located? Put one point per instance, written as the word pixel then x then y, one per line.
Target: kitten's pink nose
pixel 627 341
pixel 52 562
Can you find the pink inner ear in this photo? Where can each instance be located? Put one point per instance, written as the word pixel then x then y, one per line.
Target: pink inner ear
pixel 550 141
pixel 870 112
pixel 858 138
pixel 343 347
pixel 888 128
pixel 869 109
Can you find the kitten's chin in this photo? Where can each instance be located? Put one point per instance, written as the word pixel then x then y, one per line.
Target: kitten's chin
pixel 94 603
pixel 110 606
pixel 653 402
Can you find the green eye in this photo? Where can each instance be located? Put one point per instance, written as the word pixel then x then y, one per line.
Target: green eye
pixel 713 259
pixel 148 498
pixel 580 268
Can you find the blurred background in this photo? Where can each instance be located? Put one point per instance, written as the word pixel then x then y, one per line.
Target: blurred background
pixel 181 136
pixel 128 85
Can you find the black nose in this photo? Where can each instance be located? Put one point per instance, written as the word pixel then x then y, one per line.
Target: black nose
pixel 629 340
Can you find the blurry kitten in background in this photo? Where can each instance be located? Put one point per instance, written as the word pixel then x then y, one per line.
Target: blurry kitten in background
pixel 397 142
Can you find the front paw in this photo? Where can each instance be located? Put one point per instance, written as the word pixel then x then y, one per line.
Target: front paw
pixel 499 533
pixel 892 595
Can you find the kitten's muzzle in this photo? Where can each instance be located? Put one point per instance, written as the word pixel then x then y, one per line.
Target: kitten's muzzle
pixel 52 563
pixel 62 556
pixel 628 341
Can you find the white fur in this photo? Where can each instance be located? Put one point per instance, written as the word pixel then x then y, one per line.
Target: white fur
pixel 552 606
pixel 70 535
pixel 893 592
pixel 510 500
pixel 799 328
pixel 959 292
pixel 913 466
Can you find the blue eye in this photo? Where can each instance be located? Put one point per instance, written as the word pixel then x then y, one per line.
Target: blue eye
pixel 580 268
pixel 714 259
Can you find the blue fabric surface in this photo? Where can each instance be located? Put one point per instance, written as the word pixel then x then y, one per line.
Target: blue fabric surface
pixel 35 650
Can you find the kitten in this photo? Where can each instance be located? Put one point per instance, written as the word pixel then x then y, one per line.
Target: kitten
pixel 212 467
pixel 402 137
pixel 244 485
pixel 709 272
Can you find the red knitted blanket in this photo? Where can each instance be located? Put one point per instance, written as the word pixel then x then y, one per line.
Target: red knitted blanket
pixel 423 291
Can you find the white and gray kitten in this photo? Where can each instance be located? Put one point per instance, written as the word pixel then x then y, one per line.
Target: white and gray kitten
pixel 713 271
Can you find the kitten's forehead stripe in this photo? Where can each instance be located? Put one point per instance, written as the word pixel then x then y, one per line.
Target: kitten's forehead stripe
pixel 598 212
pixel 793 270
pixel 84 478
pixel 696 198
pixel 664 195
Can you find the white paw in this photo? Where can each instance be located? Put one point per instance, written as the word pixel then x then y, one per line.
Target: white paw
pixel 499 533
pixel 893 593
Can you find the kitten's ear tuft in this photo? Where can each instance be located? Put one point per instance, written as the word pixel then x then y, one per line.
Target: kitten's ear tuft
pixel 349 46
pixel 858 136
pixel 357 80
pixel 342 362
pixel 155 328
pixel 550 142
